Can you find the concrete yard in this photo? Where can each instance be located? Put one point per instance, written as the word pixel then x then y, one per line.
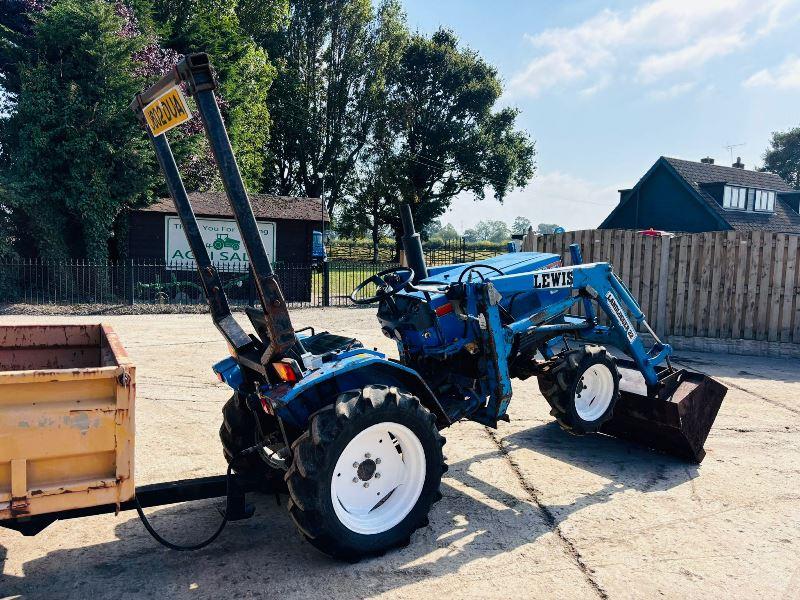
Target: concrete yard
pixel 528 511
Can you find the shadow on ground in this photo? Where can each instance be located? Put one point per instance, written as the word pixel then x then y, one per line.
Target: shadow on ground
pixel 265 555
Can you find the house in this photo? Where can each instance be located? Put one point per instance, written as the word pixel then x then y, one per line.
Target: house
pixel 286 225
pixel 689 196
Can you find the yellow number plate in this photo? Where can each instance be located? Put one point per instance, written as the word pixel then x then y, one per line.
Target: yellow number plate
pixel 167 111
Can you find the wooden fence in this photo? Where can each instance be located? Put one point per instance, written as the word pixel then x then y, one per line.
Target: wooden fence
pixel 722 285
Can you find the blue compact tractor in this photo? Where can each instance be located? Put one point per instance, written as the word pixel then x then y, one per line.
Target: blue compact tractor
pixel 356 434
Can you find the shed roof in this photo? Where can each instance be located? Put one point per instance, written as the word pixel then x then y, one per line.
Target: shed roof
pixel 265 206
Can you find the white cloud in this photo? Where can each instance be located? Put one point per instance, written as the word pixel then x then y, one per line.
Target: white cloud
pixel 785 76
pixel 673 91
pixel 553 197
pixel 601 84
pixel 781 14
pixel 689 57
pixel 654 40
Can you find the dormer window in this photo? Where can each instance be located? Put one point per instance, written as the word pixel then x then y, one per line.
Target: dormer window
pixel 749 199
pixel 765 201
pixel 735 198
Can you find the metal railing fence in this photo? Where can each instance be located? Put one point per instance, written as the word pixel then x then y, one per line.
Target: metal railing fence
pixel 73 282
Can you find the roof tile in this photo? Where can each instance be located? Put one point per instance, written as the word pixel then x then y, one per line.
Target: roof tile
pixel 783 220
pixel 215 204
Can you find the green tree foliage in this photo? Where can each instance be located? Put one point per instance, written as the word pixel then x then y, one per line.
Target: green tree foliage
pixel 74 157
pixel 436 231
pixel 445 137
pixel 332 60
pixel 367 213
pixel 492 231
pixel 470 235
pixel 520 225
pixel 783 156
pixel 333 94
pixel 436 136
pixel 432 228
pixel 226 29
pixel 448 233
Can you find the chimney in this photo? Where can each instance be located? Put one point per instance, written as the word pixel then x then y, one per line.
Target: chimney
pixel 707 160
pixel 738 164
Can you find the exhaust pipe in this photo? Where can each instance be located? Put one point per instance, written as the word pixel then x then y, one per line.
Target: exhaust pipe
pixel 412 245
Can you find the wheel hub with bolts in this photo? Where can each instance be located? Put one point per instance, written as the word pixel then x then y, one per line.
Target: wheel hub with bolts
pixel 378 478
pixel 367 469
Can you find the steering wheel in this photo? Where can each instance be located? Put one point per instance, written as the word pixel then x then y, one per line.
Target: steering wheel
pixel 388 282
pixel 475 268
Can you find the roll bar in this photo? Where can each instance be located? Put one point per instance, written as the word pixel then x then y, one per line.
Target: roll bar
pixel 196 73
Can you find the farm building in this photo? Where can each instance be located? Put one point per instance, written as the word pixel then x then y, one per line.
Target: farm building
pixel 688 196
pixel 286 225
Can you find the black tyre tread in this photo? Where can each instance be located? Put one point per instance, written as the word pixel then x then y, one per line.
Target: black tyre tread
pixel 238 432
pixel 555 383
pixel 309 452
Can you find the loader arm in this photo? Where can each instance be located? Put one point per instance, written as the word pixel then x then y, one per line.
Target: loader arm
pixel 598 282
pixel 279 337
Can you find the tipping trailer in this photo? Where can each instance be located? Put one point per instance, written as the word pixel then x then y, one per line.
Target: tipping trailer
pixel 354 435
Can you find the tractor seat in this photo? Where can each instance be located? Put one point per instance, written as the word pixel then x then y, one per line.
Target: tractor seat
pixel 327 344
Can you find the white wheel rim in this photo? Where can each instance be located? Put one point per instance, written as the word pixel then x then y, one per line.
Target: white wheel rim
pixel 378 478
pixel 594 393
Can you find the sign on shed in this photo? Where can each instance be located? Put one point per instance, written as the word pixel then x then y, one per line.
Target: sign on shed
pixel 167 111
pixel 223 243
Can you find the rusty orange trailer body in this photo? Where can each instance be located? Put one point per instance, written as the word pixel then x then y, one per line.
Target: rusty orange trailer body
pixel 66 419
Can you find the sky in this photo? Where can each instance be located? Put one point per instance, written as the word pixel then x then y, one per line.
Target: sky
pixel 607 87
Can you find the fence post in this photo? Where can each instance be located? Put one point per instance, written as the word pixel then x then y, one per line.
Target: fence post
pixel 131 284
pixel 326 283
pixel 663 281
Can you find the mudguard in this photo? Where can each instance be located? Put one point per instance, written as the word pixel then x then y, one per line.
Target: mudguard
pixel 351 370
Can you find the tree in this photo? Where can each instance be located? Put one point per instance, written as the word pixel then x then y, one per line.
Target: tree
pixel 243 69
pixel 546 228
pixel 783 156
pixel 492 231
pixel 74 157
pixel 368 209
pixel 521 226
pixel 332 59
pixel 448 233
pixel 432 229
pixel 445 137
pixel 470 235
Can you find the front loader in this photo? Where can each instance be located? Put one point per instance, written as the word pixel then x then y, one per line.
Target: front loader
pixel 354 434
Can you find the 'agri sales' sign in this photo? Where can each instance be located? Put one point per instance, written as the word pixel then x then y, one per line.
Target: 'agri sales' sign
pixel 223 244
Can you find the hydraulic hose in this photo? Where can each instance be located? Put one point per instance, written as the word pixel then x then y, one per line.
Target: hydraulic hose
pixel 202 544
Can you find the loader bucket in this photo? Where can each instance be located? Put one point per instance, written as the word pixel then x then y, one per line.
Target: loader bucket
pixel 677 424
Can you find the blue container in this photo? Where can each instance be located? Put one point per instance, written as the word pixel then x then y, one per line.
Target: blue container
pixel 317 246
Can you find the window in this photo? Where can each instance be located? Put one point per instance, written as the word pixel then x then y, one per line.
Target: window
pixel 765 201
pixel 735 197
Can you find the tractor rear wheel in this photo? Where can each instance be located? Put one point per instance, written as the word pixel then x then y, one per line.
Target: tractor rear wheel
pixel 365 474
pixel 239 432
pixel 582 388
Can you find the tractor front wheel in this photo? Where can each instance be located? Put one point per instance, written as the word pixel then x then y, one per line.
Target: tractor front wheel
pixel 365 474
pixel 582 388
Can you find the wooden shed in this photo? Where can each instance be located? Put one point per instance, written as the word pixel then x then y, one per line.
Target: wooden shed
pixel 288 225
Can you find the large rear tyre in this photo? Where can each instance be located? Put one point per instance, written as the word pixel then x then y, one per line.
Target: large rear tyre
pixel 582 388
pixel 365 474
pixel 239 432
